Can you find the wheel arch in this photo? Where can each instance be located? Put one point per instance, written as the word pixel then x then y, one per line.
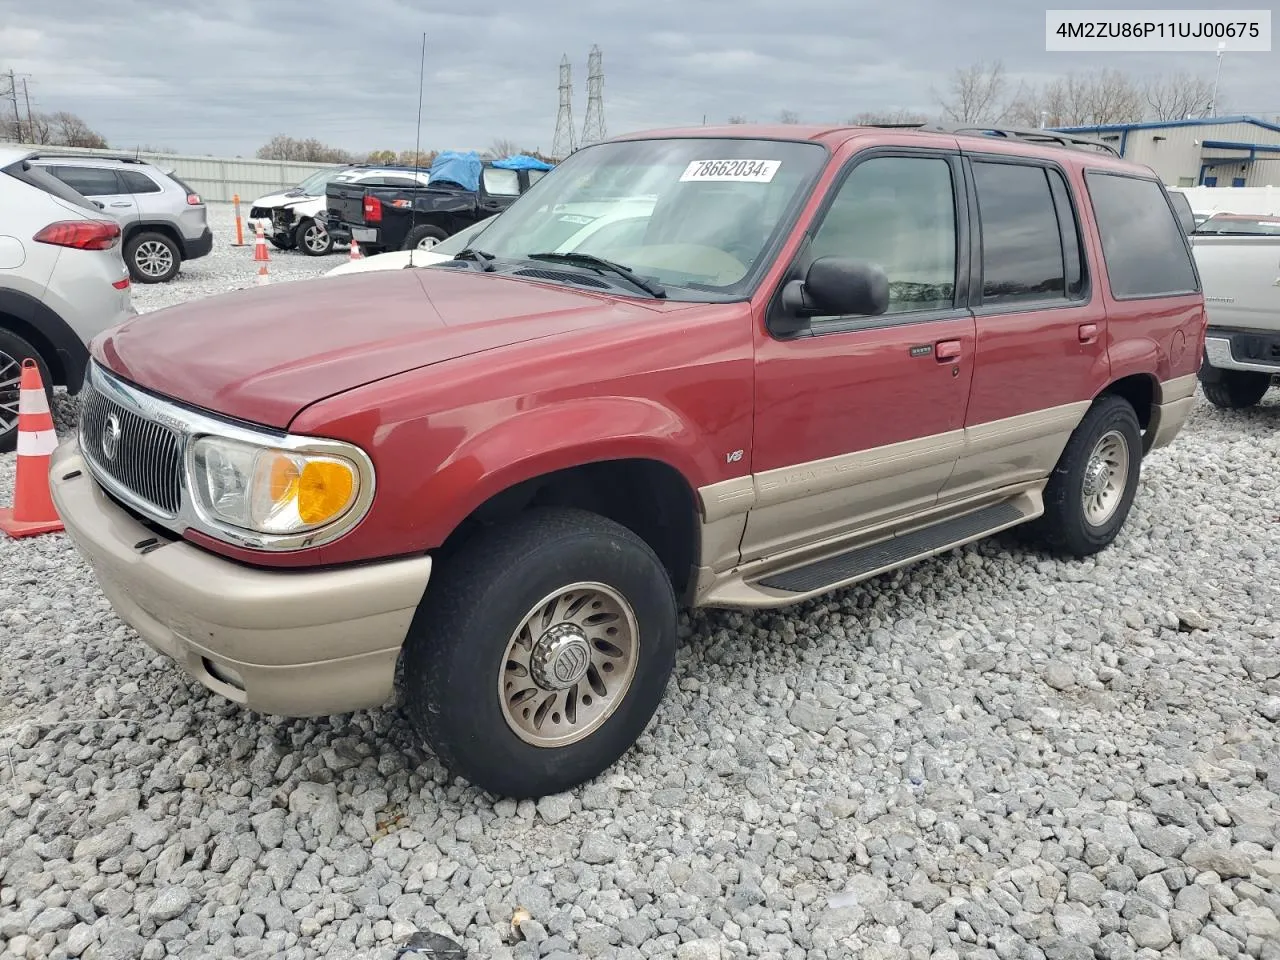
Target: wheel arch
pixel 168 230
pixel 645 494
pixel 61 350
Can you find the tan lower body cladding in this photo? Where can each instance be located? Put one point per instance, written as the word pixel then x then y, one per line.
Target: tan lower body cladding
pixel 756 526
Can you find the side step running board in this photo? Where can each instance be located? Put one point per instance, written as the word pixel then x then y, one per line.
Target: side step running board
pixel 898 550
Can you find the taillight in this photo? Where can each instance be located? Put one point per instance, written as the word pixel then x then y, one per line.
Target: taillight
pixel 193 199
pixel 81 234
pixel 372 210
pixel 122 284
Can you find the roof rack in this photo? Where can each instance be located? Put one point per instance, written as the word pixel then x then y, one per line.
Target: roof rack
pixel 1029 134
pixel 54 155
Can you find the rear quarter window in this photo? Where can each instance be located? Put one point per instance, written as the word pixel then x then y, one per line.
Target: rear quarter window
pixel 1143 244
pixel 41 179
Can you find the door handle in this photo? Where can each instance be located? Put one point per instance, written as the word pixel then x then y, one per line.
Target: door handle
pixel 1087 332
pixel 122 204
pixel 946 350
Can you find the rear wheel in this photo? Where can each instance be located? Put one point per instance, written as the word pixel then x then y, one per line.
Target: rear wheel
pixel 1237 389
pixel 313 239
pixel 152 257
pixel 1091 490
pixel 541 652
pixel 14 350
pixel 424 237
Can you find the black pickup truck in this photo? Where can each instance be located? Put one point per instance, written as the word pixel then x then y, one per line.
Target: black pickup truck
pixel 400 218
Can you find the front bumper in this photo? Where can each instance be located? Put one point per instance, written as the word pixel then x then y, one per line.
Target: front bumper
pixel 290 643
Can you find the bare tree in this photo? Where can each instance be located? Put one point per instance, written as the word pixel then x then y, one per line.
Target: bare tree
pixel 978 94
pixel 1178 97
pixel 70 131
pixel 886 116
pixel 737 119
pixel 281 147
pixel 503 147
pixel 54 130
pixel 1109 96
pixel 381 156
pixel 788 116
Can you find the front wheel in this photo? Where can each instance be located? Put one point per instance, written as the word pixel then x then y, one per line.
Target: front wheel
pixel 541 652
pixel 313 239
pixel 1091 490
pixel 1237 389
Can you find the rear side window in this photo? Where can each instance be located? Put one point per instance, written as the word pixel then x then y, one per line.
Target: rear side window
pixel 135 182
pixel 1028 255
pixel 502 183
pixel 1142 242
pixel 90 181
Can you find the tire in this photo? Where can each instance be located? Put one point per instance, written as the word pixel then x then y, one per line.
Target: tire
pixel 13 350
pixel 152 257
pixel 463 637
pixel 1237 389
pixel 1067 526
pixel 424 236
pixel 313 239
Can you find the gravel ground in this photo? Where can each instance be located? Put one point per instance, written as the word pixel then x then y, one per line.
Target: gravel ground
pixel 992 755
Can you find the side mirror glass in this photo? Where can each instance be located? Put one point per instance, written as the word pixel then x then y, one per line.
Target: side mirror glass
pixel 839 286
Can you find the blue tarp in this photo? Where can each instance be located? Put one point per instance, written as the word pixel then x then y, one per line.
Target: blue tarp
pixel 522 162
pixel 460 168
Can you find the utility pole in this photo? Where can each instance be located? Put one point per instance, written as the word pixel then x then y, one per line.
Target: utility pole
pixel 1213 106
pixel 31 127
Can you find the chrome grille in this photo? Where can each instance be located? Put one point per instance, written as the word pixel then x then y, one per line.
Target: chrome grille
pixel 146 457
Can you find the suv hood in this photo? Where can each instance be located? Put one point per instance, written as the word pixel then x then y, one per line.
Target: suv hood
pixel 261 355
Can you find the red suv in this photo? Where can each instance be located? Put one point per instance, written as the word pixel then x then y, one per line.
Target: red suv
pixel 811 355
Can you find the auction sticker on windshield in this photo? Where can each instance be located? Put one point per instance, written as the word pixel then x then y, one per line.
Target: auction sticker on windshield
pixel 751 171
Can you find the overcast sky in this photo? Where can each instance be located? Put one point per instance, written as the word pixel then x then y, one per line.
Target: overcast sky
pixel 223 76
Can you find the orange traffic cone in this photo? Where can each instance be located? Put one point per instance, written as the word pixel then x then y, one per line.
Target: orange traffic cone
pixel 260 245
pixel 32 511
pixel 261 255
pixel 355 250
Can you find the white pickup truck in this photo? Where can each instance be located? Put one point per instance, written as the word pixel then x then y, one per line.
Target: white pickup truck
pixel 1238 257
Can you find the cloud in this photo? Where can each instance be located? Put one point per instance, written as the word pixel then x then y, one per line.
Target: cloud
pixel 224 78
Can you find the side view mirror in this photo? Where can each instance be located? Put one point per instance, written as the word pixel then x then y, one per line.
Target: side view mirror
pixel 838 286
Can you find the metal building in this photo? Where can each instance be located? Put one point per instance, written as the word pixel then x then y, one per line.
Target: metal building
pixel 1211 152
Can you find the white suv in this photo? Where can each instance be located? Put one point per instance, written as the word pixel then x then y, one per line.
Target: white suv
pixel 62 281
pixel 164 221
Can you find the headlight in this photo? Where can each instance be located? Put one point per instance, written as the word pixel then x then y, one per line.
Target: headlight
pixel 274 491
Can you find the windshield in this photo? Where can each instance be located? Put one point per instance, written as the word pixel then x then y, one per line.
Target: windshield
pixel 696 215
pixel 1262 226
pixel 462 239
pixel 314 185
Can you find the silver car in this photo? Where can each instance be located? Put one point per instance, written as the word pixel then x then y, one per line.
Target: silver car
pixel 164 221
pixel 62 281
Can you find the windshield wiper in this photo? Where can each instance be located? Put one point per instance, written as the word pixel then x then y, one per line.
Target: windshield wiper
pixel 655 290
pixel 479 256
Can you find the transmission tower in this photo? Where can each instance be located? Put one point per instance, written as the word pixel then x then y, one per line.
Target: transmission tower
pixel 593 127
pixel 563 144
